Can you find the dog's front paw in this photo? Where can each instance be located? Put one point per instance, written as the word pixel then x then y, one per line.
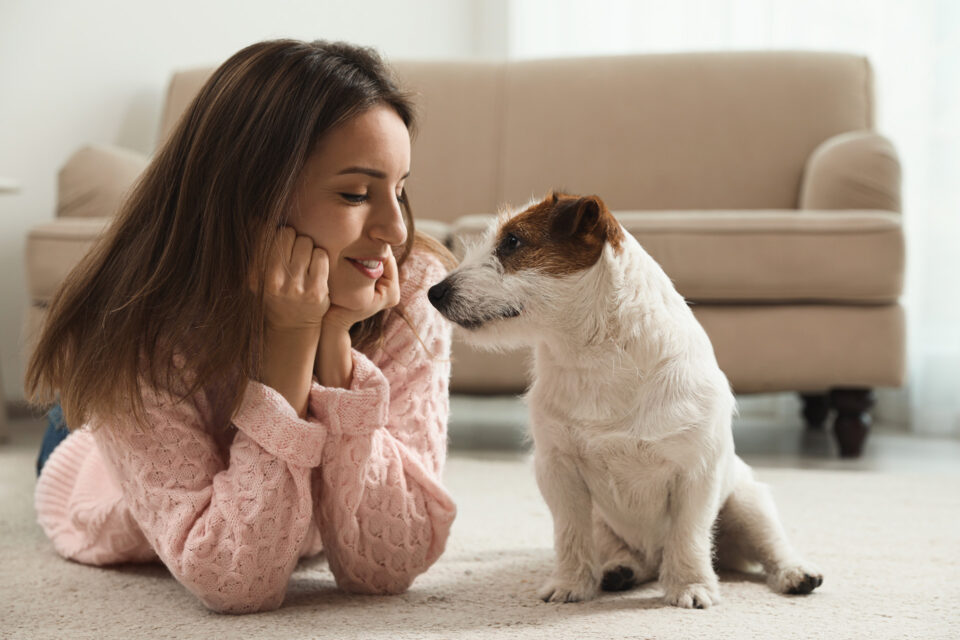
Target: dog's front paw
pixel 558 589
pixel 796 579
pixel 693 596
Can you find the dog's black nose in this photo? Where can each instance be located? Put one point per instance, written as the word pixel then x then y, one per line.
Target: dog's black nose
pixel 438 294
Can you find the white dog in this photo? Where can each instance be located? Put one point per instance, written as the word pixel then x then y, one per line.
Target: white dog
pixel 629 412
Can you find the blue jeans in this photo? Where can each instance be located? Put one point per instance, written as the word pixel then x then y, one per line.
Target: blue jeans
pixel 55 434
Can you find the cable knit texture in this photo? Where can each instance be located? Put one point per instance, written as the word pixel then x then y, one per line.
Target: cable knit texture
pixel 231 513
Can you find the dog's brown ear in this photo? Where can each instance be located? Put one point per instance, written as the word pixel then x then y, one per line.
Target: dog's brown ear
pixel 587 218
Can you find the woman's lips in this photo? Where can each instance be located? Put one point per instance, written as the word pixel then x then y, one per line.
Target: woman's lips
pixel 363 265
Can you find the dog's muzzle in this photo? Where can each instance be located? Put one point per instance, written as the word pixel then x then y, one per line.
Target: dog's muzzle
pixel 443 297
pixel 439 295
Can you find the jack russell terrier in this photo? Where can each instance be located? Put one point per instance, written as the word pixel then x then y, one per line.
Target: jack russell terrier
pixel 629 412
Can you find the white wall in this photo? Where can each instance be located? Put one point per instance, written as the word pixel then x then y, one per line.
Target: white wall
pixel 73 73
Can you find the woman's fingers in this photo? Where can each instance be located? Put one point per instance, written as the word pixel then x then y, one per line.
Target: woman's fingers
pixel 295 289
pixel 316 275
pixel 277 270
pixel 285 241
pixel 300 259
pixel 390 268
pixel 388 286
pixel 319 264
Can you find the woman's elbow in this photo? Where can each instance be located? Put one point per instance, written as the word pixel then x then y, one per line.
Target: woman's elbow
pixel 236 597
pixel 238 605
pixel 379 583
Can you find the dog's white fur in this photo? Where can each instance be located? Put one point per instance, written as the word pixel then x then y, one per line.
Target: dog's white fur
pixel 631 420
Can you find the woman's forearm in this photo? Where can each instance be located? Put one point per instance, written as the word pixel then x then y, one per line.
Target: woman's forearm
pixel 334 361
pixel 288 361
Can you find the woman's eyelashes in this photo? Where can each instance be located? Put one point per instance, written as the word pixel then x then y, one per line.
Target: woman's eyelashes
pixel 355 198
pixel 360 198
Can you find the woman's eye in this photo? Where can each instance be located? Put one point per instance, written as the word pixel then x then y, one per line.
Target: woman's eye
pixel 354 198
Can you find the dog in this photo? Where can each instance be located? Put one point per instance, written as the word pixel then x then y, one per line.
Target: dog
pixel 630 414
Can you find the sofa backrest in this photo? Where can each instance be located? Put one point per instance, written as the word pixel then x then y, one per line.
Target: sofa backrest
pixel 184 87
pixel 645 132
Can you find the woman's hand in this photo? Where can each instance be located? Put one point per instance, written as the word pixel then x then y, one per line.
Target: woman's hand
pixel 296 299
pixel 334 361
pixel 295 290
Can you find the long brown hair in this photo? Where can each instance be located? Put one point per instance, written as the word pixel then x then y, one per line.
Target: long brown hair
pixel 171 274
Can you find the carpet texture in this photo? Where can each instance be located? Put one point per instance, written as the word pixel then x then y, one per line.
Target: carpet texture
pixel 888 543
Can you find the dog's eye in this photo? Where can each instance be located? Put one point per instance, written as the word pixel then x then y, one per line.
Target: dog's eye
pixel 509 244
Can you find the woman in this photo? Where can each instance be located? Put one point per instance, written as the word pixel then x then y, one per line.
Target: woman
pixel 250 350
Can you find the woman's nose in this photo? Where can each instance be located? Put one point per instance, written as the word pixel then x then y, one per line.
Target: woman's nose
pixel 388 224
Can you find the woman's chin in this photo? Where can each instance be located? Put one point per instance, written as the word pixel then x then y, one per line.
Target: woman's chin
pixel 352 302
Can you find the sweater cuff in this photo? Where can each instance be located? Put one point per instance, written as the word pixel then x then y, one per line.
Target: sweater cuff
pixel 358 410
pixel 267 417
pixel 55 485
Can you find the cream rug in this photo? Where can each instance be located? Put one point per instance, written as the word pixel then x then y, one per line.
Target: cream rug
pixel 888 543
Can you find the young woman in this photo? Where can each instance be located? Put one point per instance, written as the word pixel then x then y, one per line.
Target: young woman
pixel 250 352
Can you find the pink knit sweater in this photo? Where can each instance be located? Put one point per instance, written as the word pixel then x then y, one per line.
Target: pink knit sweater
pixel 231 513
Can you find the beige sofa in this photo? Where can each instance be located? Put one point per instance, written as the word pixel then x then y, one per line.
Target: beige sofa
pixel 755 179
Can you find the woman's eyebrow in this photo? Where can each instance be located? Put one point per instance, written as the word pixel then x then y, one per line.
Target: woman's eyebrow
pixel 373 173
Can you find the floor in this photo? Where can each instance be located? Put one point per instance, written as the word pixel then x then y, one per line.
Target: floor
pixel 884 535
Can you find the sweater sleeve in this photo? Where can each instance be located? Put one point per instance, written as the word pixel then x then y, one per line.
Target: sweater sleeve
pixel 230 529
pixel 384 515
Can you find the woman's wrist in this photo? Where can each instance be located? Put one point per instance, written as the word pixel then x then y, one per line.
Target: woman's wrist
pixel 334 361
pixel 288 356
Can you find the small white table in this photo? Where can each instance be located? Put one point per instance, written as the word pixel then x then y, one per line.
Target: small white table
pixel 7 185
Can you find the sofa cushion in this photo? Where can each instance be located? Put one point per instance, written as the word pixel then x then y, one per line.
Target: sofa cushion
pixel 853 170
pixel 456 146
pixel 54 249
pixel 95 179
pixel 761 348
pixel 699 130
pixel 764 256
pixel 184 87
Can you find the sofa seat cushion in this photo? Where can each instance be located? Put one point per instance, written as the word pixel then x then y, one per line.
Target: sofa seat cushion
pixel 764 256
pixel 55 248
pixel 761 348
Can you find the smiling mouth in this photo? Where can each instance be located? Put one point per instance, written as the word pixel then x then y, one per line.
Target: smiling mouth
pixel 373 269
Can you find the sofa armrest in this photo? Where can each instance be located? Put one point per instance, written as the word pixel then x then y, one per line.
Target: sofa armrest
pixel 95 179
pixel 439 231
pixel 853 170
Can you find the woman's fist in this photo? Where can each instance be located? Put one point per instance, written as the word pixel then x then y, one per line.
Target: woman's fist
pixel 295 289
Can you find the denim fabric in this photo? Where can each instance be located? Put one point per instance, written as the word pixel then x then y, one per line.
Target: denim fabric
pixel 55 434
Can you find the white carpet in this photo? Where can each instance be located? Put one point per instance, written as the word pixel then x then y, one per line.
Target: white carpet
pixel 889 545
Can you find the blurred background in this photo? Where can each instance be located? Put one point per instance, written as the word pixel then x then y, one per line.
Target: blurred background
pixel 96 72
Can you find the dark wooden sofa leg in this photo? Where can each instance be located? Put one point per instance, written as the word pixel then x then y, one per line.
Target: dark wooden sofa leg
pixel 852 423
pixel 816 408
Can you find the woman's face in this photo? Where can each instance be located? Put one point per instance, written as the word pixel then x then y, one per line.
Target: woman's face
pixel 347 200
